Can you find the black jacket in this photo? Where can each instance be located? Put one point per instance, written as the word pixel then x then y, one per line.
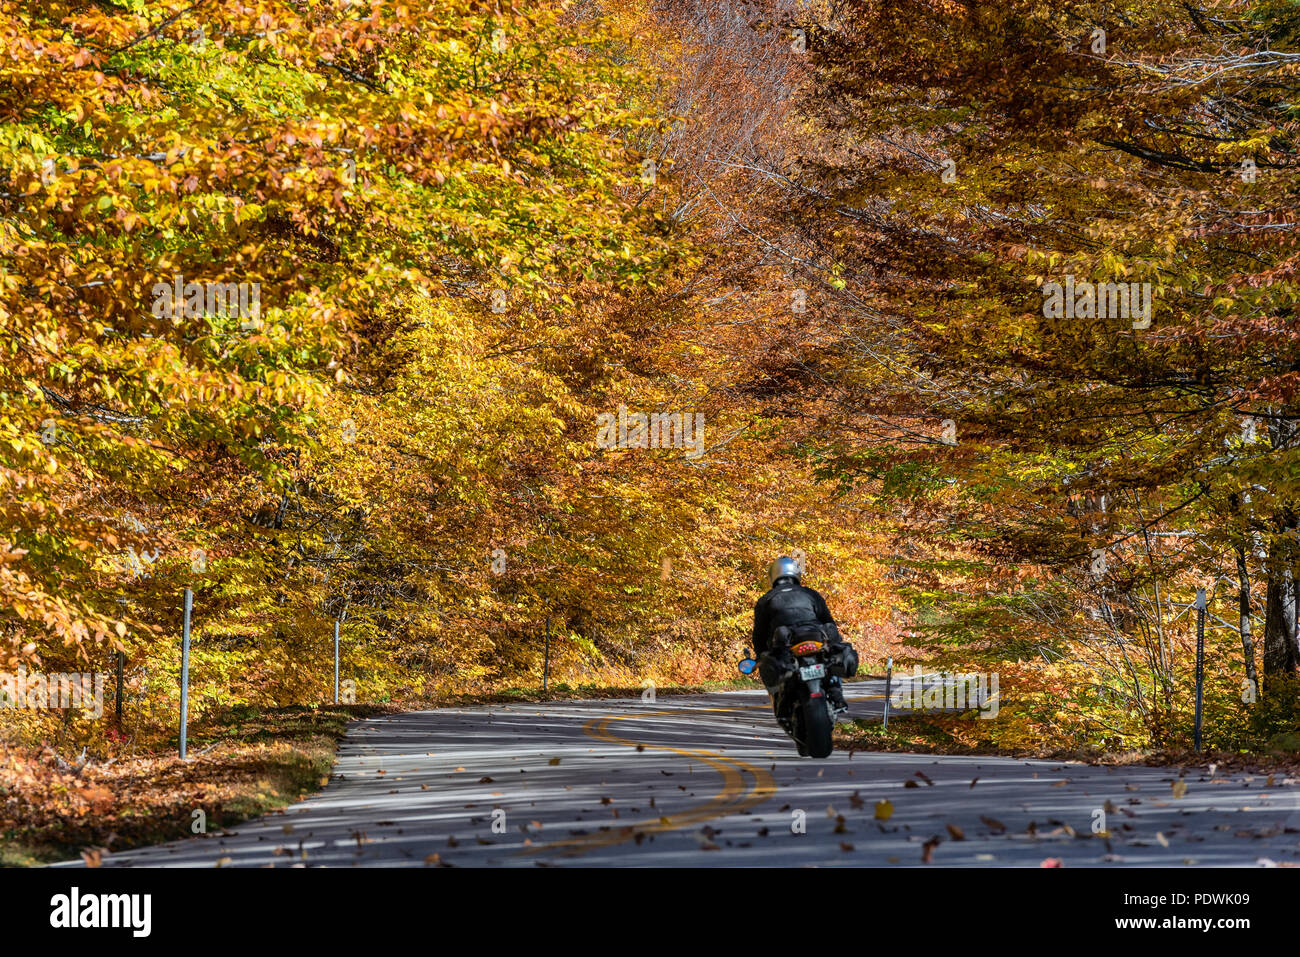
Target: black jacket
pixel 788 603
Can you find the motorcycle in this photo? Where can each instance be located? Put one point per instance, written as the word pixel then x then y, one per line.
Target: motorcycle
pixel 800 701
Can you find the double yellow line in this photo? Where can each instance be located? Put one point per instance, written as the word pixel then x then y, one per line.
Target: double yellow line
pixel 735 795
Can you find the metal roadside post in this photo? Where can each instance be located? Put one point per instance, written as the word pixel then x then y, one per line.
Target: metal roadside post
pixel 546 661
pixel 185 669
pixel 119 658
pixel 120 661
pixel 1200 663
pixel 889 680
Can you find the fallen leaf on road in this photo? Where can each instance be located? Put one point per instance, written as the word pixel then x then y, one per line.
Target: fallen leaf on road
pixel 553 762
pixel 924 777
pixel 972 781
pixel 845 846
pixel 1051 862
pixel 910 784
pixel 884 810
pixel 927 849
pixel 1179 788
pixel 994 824
pixel 485 780
pixel 957 833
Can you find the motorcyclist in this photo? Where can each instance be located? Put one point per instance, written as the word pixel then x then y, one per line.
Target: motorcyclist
pixel 787 605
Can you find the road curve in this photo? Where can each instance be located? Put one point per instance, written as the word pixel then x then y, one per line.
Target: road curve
pixel 710 780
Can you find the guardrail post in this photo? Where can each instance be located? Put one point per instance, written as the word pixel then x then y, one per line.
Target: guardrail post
pixel 119 658
pixel 546 662
pixel 889 680
pixel 185 669
pixel 1200 663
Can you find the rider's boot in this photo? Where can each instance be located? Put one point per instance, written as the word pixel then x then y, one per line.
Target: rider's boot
pixel 774 693
pixel 835 691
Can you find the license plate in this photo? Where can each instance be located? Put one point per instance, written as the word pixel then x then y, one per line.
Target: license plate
pixel 812 671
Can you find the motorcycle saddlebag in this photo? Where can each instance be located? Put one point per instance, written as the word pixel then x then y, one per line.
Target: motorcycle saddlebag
pixel 846 665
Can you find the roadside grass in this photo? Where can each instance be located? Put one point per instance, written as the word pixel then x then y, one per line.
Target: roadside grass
pixel 953 735
pixel 242 764
pixel 904 733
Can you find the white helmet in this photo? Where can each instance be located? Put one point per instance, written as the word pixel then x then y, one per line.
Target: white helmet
pixel 783 567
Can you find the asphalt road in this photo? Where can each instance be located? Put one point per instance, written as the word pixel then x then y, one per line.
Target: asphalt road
pixel 711 781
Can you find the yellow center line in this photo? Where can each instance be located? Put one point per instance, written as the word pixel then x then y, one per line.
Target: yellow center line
pixel 732 798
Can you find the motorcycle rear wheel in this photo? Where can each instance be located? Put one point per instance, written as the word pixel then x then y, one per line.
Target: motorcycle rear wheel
pixel 817 728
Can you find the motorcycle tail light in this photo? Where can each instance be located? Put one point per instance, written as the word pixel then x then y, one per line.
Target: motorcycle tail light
pixel 807 647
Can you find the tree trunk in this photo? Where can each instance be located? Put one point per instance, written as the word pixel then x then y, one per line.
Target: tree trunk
pixel 1280 652
pixel 1243 605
